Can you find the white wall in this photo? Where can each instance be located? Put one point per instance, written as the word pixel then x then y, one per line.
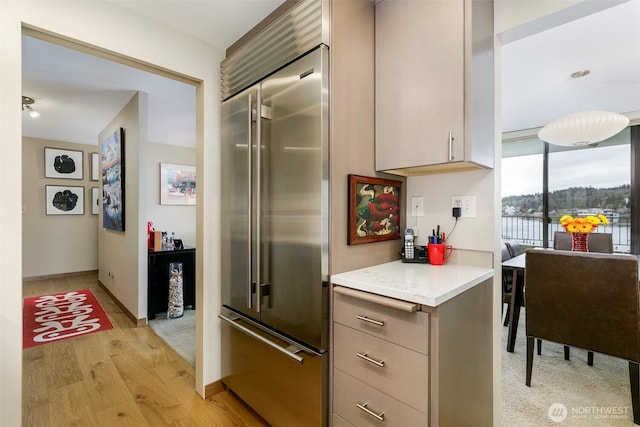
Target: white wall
pixel 179 219
pixel 119 30
pixel 471 234
pixel 122 254
pixel 54 244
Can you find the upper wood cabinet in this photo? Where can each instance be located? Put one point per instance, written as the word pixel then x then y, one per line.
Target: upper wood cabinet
pixel 434 86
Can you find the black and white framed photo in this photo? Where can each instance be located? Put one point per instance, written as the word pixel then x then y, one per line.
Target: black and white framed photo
pixel 64 200
pixel 95 166
pixel 95 200
pixel 66 164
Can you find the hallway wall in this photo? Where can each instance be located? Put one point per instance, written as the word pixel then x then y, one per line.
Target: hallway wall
pixel 180 219
pixel 54 244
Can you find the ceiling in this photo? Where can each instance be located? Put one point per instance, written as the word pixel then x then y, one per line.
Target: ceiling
pixel 536 70
pixel 78 94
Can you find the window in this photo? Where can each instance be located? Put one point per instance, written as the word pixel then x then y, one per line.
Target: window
pixel 580 181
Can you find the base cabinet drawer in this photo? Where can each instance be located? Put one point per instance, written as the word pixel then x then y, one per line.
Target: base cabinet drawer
pixel 399 372
pixel 409 329
pixel 364 406
pixel 339 422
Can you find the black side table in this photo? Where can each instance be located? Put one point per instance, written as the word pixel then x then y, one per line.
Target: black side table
pixel 158 278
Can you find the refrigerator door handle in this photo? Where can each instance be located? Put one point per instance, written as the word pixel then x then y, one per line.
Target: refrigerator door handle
pixel 251 284
pixel 289 351
pixel 258 208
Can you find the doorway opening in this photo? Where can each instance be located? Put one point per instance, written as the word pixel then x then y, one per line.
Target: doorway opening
pixel 79 90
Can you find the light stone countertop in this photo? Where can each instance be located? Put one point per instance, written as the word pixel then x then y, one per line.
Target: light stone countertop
pixel 426 284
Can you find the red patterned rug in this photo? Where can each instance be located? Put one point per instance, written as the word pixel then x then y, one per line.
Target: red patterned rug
pixel 50 318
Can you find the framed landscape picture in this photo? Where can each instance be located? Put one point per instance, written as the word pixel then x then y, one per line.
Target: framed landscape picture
pixel 177 184
pixel 64 200
pixel 113 182
pixel 65 164
pixel 374 210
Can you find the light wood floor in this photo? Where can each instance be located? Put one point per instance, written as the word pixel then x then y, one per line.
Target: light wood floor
pixel 126 376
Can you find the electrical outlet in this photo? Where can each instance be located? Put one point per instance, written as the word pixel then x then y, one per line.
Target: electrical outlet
pixel 417 206
pixel 467 205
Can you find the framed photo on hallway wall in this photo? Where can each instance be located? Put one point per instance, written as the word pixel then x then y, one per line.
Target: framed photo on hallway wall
pixel 177 184
pixel 95 166
pixel 95 200
pixel 63 164
pixel 113 182
pixel 64 200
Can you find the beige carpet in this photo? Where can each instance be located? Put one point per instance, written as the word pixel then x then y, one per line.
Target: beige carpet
pixel 595 395
pixel 179 333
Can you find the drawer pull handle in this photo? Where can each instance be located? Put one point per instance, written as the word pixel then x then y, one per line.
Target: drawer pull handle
pixel 370 360
pixel 375 322
pixel 363 406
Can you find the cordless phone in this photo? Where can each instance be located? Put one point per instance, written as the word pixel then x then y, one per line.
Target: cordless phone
pixel 409 253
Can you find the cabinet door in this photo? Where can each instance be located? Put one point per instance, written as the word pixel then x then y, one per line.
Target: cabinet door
pixel 419 83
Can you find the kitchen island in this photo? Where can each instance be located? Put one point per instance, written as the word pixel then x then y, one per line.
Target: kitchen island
pixel 412 345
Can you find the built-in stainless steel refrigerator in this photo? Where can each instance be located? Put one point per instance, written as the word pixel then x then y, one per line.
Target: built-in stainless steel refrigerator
pixel 275 204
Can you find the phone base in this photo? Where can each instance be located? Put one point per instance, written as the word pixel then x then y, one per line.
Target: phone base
pixel 420 255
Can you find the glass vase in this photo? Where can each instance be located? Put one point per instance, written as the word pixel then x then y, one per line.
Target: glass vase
pixel 580 242
pixel 175 307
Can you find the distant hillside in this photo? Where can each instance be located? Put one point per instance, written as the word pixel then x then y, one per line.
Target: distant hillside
pixel 616 199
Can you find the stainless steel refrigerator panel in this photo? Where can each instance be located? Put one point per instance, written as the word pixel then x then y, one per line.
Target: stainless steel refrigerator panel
pixel 238 130
pixel 284 391
pixel 294 199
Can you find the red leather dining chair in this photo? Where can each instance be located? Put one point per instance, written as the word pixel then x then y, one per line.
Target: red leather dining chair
pixel 604 295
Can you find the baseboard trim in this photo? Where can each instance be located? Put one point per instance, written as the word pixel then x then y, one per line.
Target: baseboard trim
pixel 213 389
pixel 138 322
pixel 57 276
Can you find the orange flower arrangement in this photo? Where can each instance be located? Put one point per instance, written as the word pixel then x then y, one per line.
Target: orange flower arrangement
pixel 587 224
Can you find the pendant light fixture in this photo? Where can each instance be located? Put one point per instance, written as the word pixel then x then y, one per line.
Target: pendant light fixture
pixel 584 127
pixel 26 105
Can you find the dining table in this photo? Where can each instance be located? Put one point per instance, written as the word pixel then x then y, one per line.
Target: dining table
pixel 517 264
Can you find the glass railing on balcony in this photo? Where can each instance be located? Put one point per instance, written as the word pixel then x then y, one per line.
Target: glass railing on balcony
pixel 527 230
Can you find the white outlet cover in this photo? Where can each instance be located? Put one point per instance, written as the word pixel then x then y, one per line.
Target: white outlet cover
pixel 467 205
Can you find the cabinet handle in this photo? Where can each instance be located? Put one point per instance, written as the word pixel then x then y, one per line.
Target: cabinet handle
pixel 363 406
pixel 370 360
pixel 378 299
pixel 451 138
pixel 375 322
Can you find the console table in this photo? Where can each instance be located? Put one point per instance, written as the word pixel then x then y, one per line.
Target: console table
pixel 158 278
